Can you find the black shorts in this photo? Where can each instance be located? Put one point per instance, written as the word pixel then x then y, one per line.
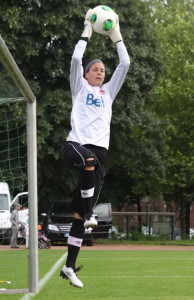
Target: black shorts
pixel 75 154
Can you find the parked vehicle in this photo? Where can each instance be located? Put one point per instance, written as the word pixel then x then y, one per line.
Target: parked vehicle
pixel 6 205
pixel 58 220
pixel 103 213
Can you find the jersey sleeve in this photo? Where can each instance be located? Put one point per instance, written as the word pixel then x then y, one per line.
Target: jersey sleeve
pixel 76 71
pixel 118 77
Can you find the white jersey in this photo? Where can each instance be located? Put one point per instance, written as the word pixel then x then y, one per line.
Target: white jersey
pixel 92 105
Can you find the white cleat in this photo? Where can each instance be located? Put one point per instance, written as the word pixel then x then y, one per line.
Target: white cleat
pixel 92 222
pixel 69 273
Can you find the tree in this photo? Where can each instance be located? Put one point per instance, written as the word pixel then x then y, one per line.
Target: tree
pixel 174 100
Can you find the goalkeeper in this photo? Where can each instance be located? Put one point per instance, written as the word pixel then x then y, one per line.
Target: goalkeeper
pixel 88 140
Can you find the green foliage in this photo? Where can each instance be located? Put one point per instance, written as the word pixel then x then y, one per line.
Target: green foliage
pixel 174 99
pixel 13 147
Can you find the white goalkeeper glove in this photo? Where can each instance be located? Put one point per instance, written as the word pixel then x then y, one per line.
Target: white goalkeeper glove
pixel 115 33
pixel 87 25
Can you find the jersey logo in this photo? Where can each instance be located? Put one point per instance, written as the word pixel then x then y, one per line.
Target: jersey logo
pixel 99 102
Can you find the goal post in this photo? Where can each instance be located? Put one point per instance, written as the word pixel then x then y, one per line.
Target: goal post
pixel 14 72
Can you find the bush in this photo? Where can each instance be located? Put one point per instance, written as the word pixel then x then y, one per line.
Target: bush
pixel 136 236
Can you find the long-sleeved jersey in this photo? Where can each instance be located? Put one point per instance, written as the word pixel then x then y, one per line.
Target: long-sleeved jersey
pixel 92 105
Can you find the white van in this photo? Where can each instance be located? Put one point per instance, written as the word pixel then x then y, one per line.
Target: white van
pixel 5 212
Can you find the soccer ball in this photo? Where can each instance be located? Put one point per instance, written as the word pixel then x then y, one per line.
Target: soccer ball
pixel 103 19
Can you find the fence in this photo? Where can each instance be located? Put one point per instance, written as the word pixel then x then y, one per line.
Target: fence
pixel 148 215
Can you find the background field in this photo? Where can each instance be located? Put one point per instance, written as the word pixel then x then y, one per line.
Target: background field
pixel 117 275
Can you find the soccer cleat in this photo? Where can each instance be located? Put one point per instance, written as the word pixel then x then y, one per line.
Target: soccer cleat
pixel 91 222
pixel 69 273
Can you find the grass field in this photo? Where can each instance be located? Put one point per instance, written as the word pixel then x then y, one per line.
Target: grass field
pixel 115 275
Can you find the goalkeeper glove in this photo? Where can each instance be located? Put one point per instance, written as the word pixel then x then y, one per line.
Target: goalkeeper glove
pixel 87 25
pixel 115 33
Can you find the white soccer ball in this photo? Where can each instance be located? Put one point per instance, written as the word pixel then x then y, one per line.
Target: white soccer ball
pixel 103 19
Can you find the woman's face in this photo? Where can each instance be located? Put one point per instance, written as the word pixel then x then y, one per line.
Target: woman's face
pixel 95 75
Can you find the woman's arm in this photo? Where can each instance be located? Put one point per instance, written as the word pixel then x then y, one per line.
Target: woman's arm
pixel 120 73
pixel 76 72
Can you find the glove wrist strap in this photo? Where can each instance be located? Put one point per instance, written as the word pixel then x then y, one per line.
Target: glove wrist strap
pixel 84 39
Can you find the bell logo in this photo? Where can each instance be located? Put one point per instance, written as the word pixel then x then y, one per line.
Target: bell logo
pixel 99 102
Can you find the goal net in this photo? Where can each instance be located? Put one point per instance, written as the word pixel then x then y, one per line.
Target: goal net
pixel 17 179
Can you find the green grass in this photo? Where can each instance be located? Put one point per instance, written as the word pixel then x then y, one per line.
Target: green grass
pixel 147 241
pixel 12 265
pixel 119 275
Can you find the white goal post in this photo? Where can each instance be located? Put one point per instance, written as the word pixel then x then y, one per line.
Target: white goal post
pixel 8 62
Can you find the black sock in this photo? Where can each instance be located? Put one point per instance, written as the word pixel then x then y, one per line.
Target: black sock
pixel 74 242
pixel 87 190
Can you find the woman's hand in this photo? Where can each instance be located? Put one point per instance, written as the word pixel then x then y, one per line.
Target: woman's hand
pixel 115 33
pixel 87 33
